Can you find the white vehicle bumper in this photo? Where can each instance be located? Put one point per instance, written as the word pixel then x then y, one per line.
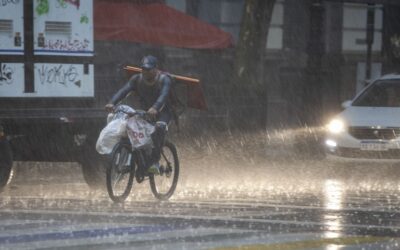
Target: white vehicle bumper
pixel 345 146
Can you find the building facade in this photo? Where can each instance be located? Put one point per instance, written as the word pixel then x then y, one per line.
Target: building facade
pixel 318 53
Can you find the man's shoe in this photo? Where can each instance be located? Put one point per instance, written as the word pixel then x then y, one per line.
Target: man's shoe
pixel 154 169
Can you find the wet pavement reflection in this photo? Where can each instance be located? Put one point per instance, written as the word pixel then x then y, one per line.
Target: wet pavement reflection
pixel 222 201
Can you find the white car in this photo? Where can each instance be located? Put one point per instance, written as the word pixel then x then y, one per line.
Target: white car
pixel 369 126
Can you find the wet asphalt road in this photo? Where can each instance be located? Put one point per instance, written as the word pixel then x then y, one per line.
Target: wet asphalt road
pixel 223 201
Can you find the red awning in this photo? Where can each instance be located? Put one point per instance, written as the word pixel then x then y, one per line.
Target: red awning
pixel 156 24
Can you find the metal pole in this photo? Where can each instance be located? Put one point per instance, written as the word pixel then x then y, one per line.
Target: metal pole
pixel 370 38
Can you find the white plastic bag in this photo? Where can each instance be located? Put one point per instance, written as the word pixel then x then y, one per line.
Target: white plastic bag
pixel 120 113
pixel 111 135
pixel 139 132
pixel 115 129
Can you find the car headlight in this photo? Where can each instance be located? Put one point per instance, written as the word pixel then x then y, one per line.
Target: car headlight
pixel 336 126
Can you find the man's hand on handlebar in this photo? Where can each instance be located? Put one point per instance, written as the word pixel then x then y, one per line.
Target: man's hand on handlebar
pixel 141 113
pixel 109 107
pixel 147 115
pixel 152 112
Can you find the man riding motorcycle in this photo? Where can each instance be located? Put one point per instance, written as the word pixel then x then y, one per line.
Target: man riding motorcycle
pixel 152 87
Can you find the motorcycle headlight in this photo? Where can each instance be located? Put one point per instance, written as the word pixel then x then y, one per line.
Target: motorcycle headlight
pixel 336 126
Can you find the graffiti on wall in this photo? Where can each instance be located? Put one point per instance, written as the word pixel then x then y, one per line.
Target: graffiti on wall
pixel 8 2
pixel 63 26
pixel 43 6
pixel 6 74
pixel 63 3
pixel 67 45
pixel 84 19
pixel 59 74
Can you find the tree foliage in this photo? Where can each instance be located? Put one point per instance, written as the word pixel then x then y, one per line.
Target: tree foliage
pixel 249 88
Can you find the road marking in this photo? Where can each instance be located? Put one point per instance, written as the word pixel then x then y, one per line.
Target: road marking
pixel 87 233
pixel 197 217
pixel 257 204
pixel 308 244
pixel 100 235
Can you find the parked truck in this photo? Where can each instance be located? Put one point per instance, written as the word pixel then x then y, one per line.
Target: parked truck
pixel 47 91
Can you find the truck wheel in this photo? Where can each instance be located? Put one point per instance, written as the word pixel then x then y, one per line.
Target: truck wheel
pixel 93 168
pixel 5 162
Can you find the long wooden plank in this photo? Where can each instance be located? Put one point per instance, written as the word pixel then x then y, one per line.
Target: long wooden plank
pixel 177 77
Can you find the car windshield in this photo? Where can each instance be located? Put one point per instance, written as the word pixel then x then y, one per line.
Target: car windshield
pixel 380 94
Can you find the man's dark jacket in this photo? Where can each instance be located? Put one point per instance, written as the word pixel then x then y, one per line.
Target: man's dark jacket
pixel 155 96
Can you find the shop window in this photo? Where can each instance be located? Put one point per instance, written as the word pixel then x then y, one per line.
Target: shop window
pixel 275 33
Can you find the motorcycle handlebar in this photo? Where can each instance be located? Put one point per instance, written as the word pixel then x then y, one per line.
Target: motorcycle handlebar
pixel 141 113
